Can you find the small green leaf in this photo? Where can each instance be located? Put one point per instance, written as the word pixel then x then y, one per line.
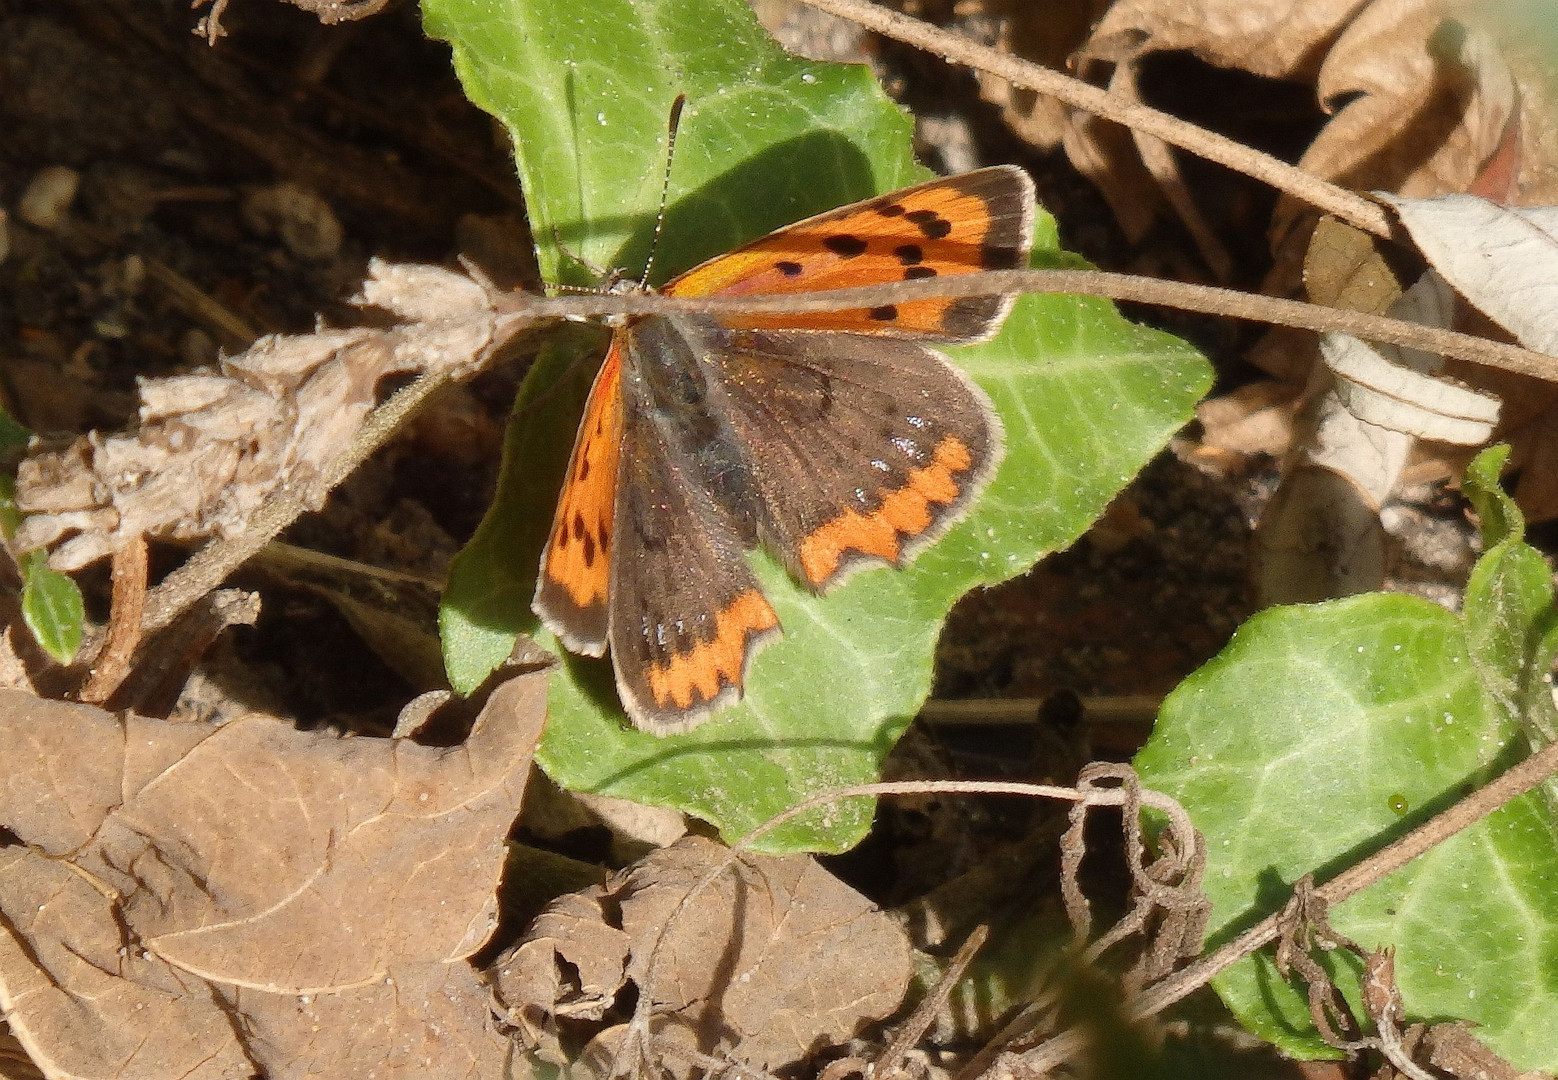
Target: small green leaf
pixel 51 602
pixel 1085 397
pixel 12 435
pixel 1321 734
pixel 1511 621
pixel 1501 518
pixel 51 607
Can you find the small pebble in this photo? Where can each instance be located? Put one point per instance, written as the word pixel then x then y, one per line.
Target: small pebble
pixel 197 348
pixel 303 220
pixel 48 196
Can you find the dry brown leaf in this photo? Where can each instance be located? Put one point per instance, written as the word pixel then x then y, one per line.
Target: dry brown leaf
pixel 1045 32
pixel 1254 419
pixel 14 1062
pixel 772 959
pixel 13 671
pixel 212 448
pixel 1274 38
pixel 1425 102
pixel 1421 117
pixel 205 901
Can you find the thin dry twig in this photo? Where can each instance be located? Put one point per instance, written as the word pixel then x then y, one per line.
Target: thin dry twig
pixel 1171 294
pixel 328 12
pixel 1305 926
pixel 1349 207
pixel 1167 888
pixel 908 1036
pixel 1308 926
pixel 112 664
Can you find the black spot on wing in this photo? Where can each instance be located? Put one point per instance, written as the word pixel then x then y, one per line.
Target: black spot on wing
pixel 915 273
pixel 931 224
pixel 845 245
pixel 885 313
pixel 909 254
pixel 999 258
pixel 788 268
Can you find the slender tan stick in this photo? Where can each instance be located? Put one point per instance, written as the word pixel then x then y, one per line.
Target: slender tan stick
pixel 112 663
pixel 1349 207
pixel 1203 298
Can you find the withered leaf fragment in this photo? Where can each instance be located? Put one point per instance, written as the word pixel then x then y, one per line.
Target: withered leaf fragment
pixel 211 448
pixel 201 900
pixel 772 960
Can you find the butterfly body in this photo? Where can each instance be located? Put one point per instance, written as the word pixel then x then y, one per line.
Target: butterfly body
pixel 836 441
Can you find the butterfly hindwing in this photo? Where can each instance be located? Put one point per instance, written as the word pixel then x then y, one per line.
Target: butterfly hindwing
pixel 686 611
pixel 982 220
pixel 860 450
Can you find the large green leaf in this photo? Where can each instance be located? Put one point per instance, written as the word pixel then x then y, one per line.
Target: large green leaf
pixel 1322 733
pixel 1085 397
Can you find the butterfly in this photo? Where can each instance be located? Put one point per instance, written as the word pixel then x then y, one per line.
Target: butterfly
pixel 836 440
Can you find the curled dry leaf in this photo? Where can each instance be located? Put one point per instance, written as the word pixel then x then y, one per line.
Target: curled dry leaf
pixel 1422 103
pixel 212 448
pixel 1321 535
pixel 208 901
pixel 770 960
pixel 1277 39
pixel 1504 261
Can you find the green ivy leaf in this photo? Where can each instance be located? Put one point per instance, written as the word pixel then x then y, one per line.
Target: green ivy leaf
pixel 1085 397
pixel 1511 621
pixel 1322 733
pixel 1501 518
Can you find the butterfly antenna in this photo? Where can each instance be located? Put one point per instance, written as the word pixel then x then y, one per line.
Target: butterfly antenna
pixel 665 181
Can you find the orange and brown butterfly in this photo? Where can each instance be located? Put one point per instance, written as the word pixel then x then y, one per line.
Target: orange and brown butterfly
pixel 837 440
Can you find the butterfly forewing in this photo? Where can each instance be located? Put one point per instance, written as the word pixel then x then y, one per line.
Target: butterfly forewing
pixel 981 220
pixel 686 612
pixel 572 590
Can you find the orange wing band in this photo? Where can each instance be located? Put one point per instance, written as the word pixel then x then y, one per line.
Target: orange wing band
pixel 578 557
pixel 697 676
pixel 905 512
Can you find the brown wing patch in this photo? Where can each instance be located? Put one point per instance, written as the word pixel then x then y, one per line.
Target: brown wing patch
pixel 902 515
pixel 981 220
pixel 862 449
pixel 571 595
